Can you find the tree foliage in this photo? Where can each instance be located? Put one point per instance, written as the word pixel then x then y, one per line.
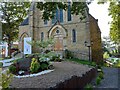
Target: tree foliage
pixel 13 14
pixel 114 12
pixel 49 8
pixel 43 44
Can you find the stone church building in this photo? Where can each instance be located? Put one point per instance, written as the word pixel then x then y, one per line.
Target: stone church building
pixel 82 38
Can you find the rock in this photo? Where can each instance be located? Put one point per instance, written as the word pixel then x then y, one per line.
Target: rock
pixel 24 64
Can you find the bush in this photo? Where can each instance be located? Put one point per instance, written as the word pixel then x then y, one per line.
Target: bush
pixel 68 54
pixel 35 66
pixel 117 64
pixel 44 66
pixel 101 75
pixel 47 51
pixel 99 66
pixel 6 79
pixel 98 80
pixel 88 87
pixel 93 64
pixel 106 55
pixel 1 58
pixel 56 58
pixel 12 69
pixel 1 64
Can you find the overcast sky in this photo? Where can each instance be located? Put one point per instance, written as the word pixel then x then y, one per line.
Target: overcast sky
pixel 100 12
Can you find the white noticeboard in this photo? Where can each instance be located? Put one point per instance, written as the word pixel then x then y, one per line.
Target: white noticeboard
pixel 27 47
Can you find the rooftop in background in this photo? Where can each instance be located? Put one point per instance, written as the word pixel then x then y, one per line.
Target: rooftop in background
pixel 25 22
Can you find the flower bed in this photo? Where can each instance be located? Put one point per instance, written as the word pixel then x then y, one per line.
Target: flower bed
pixel 29 66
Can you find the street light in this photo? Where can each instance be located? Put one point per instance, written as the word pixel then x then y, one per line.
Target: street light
pixel 89 48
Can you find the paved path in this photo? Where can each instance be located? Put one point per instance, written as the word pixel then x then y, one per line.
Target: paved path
pixel 7 62
pixel 111 79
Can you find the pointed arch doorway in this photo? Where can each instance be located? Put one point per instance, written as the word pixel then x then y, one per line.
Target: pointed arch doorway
pixel 59 34
pixel 22 40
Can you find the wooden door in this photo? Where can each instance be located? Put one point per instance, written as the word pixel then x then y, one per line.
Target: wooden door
pixel 58 43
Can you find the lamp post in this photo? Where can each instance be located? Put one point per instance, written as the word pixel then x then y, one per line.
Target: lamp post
pixel 89 48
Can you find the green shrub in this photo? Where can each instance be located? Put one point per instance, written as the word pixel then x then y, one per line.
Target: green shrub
pixel 6 79
pixel 101 75
pixel 34 66
pixel 106 65
pixel 1 64
pixel 93 64
pixel 56 58
pixel 99 67
pixel 44 66
pixel 88 87
pixel 12 69
pixel 117 64
pixel 106 55
pixel 68 54
pixel 98 80
pixel 1 58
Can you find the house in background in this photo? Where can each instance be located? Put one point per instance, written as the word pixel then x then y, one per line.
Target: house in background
pixel 82 38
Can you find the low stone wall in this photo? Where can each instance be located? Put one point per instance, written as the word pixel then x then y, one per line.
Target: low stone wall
pixel 80 55
pixel 77 82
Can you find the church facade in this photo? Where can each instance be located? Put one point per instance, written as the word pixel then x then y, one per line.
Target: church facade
pixel 82 38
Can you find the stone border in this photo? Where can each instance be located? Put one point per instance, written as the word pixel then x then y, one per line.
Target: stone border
pixel 37 74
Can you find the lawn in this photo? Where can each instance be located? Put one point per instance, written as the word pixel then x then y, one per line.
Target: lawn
pixel 84 62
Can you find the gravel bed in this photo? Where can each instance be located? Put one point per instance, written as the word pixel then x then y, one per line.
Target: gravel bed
pixel 63 71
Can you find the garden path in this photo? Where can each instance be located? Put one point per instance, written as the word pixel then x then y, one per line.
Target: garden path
pixel 111 79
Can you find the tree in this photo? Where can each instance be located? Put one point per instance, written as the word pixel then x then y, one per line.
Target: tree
pixel 108 45
pixel 13 14
pixel 49 8
pixel 114 12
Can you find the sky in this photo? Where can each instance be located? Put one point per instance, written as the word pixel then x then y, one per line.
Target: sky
pixel 100 12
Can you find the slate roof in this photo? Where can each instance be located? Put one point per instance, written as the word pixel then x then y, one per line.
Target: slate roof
pixel 25 22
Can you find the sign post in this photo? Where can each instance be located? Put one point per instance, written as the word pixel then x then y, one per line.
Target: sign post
pixel 27 47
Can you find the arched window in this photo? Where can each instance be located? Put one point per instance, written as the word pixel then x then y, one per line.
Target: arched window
pixel 58 16
pixel 69 12
pixel 73 35
pixel 61 15
pixel 42 36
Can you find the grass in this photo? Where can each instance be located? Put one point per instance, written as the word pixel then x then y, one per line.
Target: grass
pixel 84 62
